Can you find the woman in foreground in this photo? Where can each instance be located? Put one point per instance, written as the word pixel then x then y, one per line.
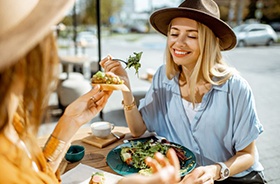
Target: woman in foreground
pixel 28 72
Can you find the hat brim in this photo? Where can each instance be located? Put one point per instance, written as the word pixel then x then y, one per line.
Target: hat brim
pixel 15 43
pixel 161 19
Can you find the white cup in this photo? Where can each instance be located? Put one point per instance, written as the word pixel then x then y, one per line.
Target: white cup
pixel 102 129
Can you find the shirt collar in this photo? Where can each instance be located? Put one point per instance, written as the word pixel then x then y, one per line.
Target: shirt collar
pixel 173 83
pixel 222 87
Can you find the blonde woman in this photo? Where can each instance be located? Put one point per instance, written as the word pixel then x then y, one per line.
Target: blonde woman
pixel 196 99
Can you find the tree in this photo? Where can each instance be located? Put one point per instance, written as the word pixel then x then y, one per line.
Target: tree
pixel 108 8
pixel 270 10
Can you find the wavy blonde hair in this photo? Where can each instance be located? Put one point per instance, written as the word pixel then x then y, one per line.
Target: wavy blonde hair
pixel 210 63
pixel 38 71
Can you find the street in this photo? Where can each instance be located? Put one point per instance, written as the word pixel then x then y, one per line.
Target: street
pixel 260 66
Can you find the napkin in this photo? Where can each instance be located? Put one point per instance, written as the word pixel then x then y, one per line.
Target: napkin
pixel 81 174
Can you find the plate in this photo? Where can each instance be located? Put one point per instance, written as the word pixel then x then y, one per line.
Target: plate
pixel 116 164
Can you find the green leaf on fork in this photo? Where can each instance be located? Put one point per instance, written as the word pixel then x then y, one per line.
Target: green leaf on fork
pixel 133 61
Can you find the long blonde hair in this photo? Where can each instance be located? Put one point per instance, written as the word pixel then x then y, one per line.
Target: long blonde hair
pixel 38 69
pixel 210 63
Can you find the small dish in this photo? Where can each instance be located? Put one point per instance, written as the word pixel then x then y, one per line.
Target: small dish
pixel 75 153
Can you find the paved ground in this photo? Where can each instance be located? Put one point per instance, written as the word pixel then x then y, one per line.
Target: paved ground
pixel 260 66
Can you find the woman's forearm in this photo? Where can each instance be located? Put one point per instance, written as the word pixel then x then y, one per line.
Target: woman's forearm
pixel 65 128
pixel 64 132
pixel 133 117
pixel 135 122
pixel 242 160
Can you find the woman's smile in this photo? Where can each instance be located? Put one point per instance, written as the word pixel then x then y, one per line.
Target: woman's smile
pixel 180 53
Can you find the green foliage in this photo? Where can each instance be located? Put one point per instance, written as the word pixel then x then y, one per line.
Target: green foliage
pixel 271 10
pixel 134 61
pixel 107 9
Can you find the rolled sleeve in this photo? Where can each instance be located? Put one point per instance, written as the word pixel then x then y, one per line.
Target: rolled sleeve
pixel 247 126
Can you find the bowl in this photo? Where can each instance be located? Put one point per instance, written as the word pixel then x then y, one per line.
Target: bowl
pixel 75 153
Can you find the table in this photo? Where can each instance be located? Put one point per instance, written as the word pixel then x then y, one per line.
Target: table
pixel 148 76
pixel 95 157
pixel 69 61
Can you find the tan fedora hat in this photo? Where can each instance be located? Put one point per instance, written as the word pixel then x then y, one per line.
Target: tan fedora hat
pixel 204 11
pixel 24 23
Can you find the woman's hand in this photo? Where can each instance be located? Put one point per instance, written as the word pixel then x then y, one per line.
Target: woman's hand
pixel 203 174
pixel 79 112
pixel 115 67
pixel 86 107
pixel 165 170
pixel 133 117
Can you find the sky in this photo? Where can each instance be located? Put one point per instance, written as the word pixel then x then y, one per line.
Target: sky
pixel 142 5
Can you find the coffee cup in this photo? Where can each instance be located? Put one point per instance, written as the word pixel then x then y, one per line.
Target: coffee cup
pixel 102 129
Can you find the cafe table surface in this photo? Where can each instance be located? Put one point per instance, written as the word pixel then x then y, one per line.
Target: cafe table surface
pixel 76 59
pixel 94 156
pixel 83 60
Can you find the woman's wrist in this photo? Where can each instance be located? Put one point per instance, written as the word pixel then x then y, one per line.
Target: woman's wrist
pixel 60 138
pixel 53 148
pixel 128 97
pixel 66 128
pixel 128 107
pixel 216 168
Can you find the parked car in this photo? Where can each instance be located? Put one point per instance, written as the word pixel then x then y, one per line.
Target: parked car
pixel 87 39
pixel 255 34
pixel 139 27
pixel 120 30
pixel 275 26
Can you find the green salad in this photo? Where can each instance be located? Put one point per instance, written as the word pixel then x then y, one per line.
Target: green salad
pixel 139 151
pixel 136 154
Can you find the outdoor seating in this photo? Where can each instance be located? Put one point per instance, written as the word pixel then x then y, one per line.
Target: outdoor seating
pixel 70 89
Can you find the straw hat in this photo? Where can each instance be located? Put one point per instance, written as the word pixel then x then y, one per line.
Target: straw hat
pixel 24 23
pixel 203 11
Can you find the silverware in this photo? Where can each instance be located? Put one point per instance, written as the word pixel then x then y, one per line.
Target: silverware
pixel 118 137
pixel 152 136
pixel 120 60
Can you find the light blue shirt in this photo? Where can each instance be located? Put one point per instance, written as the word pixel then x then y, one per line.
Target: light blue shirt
pixel 226 121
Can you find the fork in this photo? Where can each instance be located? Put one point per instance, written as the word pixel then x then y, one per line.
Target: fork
pixel 115 135
pixel 125 62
